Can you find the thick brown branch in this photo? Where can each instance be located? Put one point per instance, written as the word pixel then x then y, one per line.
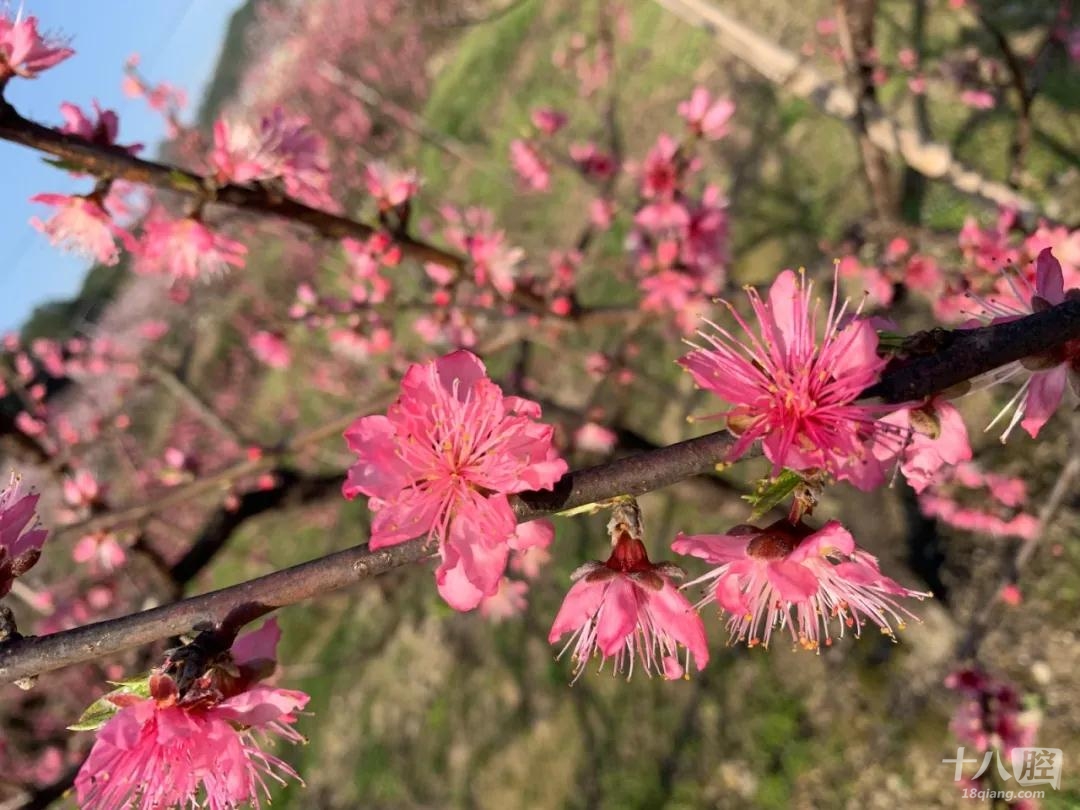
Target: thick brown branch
pixel 114 162
pixel 959 355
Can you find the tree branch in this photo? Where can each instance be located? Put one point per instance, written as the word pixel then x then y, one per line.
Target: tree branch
pixel 114 162
pixel 960 355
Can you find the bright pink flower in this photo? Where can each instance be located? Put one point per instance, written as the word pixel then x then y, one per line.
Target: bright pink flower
pixel 23 51
pixel 239 154
pixel 196 748
pixel 441 463
pixel 81 226
pixel 188 249
pixel 795 394
pixel 495 262
pixel 20 546
pixel 705 117
pixel 548 120
pixel 102 130
pixel 933 436
pixel 627 608
pixel 390 187
pixel 795 577
pixel 529 166
pixel 270 348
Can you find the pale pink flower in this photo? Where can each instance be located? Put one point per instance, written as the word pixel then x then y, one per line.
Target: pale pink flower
pixel 101 550
pixel 188 249
pixel 390 187
pixel 102 130
pixel 548 120
pixel 1048 374
pixel 978 99
pixel 627 608
pixel 20 538
pixel 442 462
pixel 197 748
pixel 238 155
pixel 23 51
pixel 82 226
pixel 594 438
pixel 529 166
pixel 793 392
pixel 495 262
pixel 270 348
pixel 508 601
pixel 934 436
pixel 795 577
pixel 706 117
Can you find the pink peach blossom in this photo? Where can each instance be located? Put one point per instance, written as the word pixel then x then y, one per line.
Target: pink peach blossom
pixel 271 349
pixel 82 226
pixel 627 608
pixel 796 577
pixel 187 249
pixel 548 120
pixel 441 463
pixel 706 117
pixel 102 130
pixel 529 166
pixel 197 748
pixel 23 51
pixel 792 391
pixel 389 187
pixel 934 436
pixel 20 537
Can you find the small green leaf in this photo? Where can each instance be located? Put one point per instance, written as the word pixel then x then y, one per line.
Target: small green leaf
pixel 65 165
pixel 184 182
pixel 102 710
pixel 771 492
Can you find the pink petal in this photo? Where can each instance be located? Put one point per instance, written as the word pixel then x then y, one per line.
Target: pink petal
pixel 1043 397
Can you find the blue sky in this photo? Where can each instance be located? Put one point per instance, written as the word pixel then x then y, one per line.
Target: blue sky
pixel 179 42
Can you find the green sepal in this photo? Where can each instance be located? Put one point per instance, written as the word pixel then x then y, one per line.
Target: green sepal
pixel 102 710
pixel 771 492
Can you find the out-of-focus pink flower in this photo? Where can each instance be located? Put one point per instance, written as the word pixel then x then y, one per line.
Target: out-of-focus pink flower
pixel 82 226
pixel 594 438
pixel 23 51
pixel 795 577
pixel 978 99
pixel 990 714
pixel 529 166
pixel 660 170
pixel 877 285
pixel 593 162
pixel 20 538
pixel 793 392
pixel 706 117
pixel 390 187
pixel 627 608
pixel 998 498
pixel 933 436
pixel 495 262
pixel 548 120
pixel 1011 595
pixel 441 463
pixel 81 490
pixel 508 601
pixel 601 213
pixel 102 130
pixel 101 550
pixel 196 748
pixel 270 348
pixel 188 249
